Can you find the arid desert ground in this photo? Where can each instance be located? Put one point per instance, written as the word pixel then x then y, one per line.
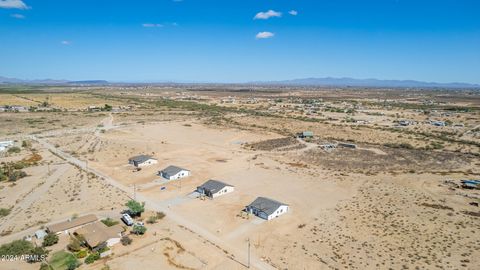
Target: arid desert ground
pixel 377 186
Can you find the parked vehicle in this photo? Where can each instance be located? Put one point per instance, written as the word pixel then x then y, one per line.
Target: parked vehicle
pixel 127 219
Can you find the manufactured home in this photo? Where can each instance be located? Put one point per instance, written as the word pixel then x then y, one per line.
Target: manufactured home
pixel 215 188
pixel 266 208
pixel 174 173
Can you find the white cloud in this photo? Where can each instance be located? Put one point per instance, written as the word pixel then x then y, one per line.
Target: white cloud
pixel 263 35
pixel 18 4
pixel 267 15
pixel 66 42
pixel 150 25
pixel 17 16
pixel 293 12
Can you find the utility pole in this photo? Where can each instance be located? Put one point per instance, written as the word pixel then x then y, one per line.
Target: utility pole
pixel 248 265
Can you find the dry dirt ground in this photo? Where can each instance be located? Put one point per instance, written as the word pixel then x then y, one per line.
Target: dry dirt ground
pixel 346 205
pixel 374 207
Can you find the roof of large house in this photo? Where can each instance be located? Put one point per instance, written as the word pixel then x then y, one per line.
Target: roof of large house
pixel 266 205
pixel 172 170
pixel 140 158
pixel 214 185
pixel 97 233
pixel 71 223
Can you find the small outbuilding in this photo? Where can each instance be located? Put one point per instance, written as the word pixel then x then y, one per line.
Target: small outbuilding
pixel 40 234
pixel 215 188
pixel 305 134
pixel 266 208
pixel 174 173
pixel 142 160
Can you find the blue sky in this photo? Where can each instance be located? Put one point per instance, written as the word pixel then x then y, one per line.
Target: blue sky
pixel 221 40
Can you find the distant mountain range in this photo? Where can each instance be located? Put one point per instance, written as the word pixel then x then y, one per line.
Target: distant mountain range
pixel 342 82
pixel 328 81
pixel 5 80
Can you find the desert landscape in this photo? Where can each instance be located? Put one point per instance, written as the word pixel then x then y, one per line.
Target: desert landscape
pixel 371 177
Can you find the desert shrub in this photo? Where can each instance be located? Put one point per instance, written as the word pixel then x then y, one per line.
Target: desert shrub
pixel 81 254
pixel 16 175
pixel 26 144
pixel 153 219
pixel 109 222
pixel 74 245
pixel 4 212
pixel 126 240
pixel 92 258
pixel 14 149
pixel 139 229
pixel 50 240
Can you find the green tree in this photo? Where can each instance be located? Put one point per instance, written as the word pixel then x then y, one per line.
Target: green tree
pixel 74 245
pixel 72 263
pixel 135 208
pixel 139 229
pixel 37 254
pixel 50 240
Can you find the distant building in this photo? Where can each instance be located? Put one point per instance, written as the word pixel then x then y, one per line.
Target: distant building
pixel 405 123
pixel 71 224
pixel 142 160
pixel 174 173
pixel 16 108
pixel 438 123
pixel 305 134
pixel 266 208
pixel 215 188
pixel 98 235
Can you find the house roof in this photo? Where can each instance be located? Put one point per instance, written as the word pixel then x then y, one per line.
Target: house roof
pixel 79 221
pixel 172 170
pixel 140 158
pixel 266 205
pixel 97 233
pixel 214 185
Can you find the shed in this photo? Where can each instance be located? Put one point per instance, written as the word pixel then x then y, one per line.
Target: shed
pixel 305 134
pixel 40 234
